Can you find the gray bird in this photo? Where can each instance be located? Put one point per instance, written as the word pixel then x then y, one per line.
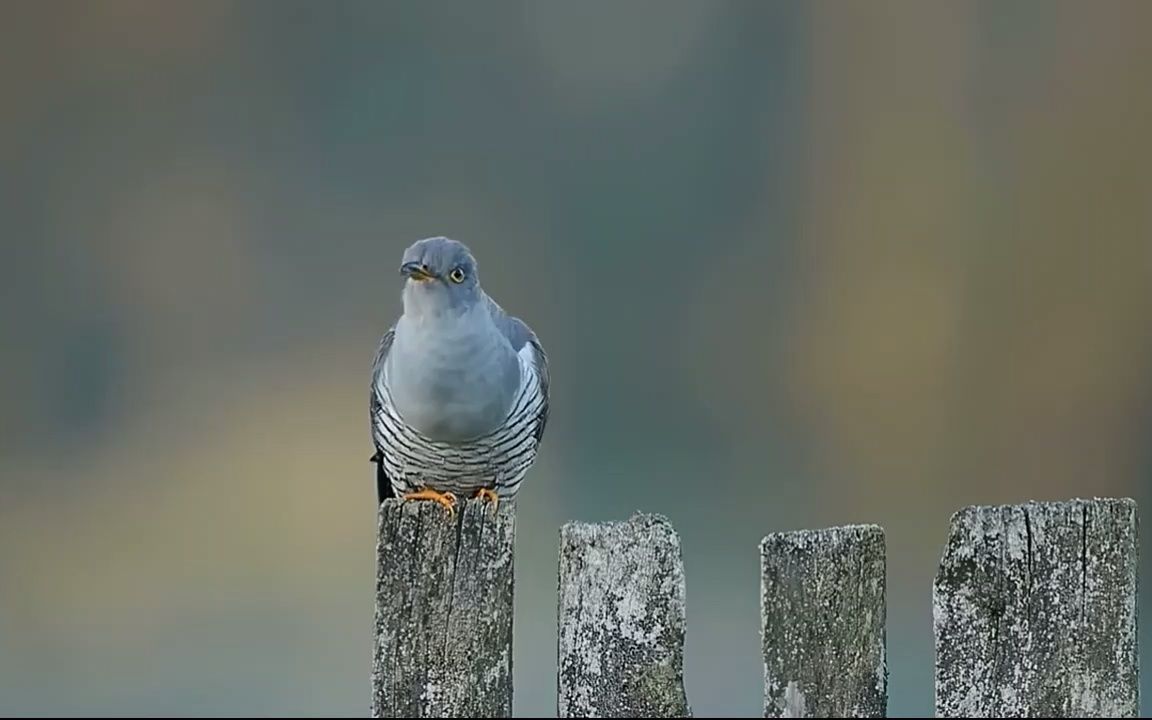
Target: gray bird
pixel 459 395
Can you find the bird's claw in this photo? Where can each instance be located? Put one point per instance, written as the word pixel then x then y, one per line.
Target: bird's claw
pixel 486 494
pixel 446 499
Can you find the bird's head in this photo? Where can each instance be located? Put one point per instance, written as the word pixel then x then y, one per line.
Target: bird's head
pixel 441 277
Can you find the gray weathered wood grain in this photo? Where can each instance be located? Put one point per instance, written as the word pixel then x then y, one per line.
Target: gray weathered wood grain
pixel 444 600
pixel 621 620
pixel 1035 611
pixel 823 614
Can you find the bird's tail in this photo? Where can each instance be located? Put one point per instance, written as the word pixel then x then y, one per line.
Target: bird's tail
pixel 383 484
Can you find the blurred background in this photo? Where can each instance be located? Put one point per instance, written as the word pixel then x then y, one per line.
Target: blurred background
pixel 795 264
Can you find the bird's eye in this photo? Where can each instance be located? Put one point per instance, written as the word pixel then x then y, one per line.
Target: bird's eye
pixel 456 276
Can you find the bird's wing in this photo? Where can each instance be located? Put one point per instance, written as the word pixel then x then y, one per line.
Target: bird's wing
pixel 376 403
pixel 520 336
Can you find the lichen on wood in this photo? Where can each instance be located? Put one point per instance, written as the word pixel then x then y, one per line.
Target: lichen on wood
pixel 621 620
pixel 444 601
pixel 1034 610
pixel 823 614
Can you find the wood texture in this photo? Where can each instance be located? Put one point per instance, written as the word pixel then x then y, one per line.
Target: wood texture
pixel 1035 611
pixel 621 620
pixel 444 601
pixel 823 611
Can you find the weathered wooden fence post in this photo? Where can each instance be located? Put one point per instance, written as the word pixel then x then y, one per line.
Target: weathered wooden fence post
pixel 444 587
pixel 823 614
pixel 621 620
pixel 1035 611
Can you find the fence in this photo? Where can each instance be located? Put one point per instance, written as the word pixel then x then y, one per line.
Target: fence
pixel 1034 609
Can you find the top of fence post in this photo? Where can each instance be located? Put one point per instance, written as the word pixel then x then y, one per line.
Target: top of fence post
pixel 1034 609
pixel 444 599
pixel 621 616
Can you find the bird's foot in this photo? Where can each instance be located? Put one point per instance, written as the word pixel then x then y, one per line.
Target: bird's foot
pixel 486 494
pixel 446 499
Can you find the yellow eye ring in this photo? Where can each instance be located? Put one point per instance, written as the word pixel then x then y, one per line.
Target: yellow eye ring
pixel 456 276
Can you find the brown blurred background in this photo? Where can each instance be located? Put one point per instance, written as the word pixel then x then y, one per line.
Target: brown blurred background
pixel 796 264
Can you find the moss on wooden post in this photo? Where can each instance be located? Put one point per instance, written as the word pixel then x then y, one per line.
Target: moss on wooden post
pixel 621 620
pixel 1035 611
pixel 823 611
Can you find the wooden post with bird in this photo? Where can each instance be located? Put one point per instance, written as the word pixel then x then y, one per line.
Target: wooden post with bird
pixel 444 601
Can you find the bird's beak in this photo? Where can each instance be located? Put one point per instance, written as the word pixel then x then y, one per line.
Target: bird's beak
pixel 416 271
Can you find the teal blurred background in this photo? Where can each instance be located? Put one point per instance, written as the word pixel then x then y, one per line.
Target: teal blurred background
pixel 795 264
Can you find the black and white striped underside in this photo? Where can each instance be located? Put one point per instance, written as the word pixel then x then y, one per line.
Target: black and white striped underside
pixel 497 461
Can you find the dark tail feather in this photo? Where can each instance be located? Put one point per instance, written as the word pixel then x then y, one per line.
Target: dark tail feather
pixel 383 484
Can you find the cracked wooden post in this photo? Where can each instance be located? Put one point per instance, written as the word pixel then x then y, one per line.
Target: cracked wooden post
pixel 822 622
pixel 621 620
pixel 444 587
pixel 1034 610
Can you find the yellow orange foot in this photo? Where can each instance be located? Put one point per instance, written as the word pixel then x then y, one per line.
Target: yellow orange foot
pixel 446 499
pixel 486 494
